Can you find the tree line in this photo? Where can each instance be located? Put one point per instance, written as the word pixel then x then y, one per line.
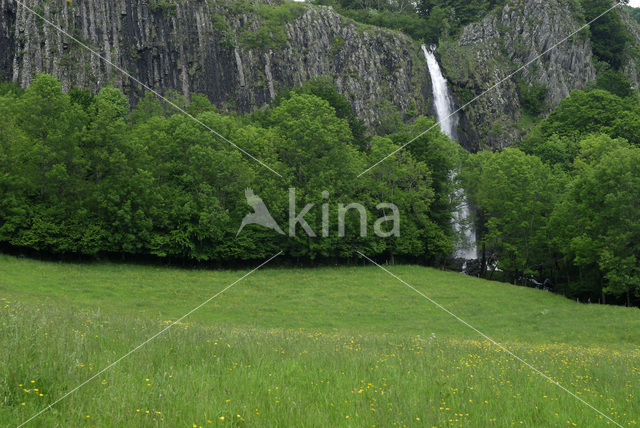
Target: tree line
pixel 565 204
pixel 430 20
pixel 424 20
pixel 85 174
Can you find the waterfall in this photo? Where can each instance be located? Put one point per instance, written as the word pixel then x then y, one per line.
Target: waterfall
pixel 445 108
pixel 441 97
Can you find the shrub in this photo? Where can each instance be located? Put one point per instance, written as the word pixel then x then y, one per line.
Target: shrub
pixel 271 33
pixel 533 97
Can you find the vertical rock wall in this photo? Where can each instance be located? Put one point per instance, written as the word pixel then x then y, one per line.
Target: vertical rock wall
pixel 489 51
pixel 196 46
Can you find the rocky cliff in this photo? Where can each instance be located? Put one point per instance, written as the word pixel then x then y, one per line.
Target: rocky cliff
pixel 491 50
pixel 237 53
pixel 631 63
pixel 240 53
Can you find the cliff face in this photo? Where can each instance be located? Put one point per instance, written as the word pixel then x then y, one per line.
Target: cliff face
pixel 631 64
pixel 240 54
pixel 489 51
pixel 206 47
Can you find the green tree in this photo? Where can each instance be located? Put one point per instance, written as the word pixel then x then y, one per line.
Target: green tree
pixel 407 183
pixel 80 173
pixel 443 158
pixel 556 139
pixel 316 146
pixel 15 186
pixel 614 82
pixel 317 150
pixel 516 192
pixel 53 167
pixel 324 87
pixel 608 35
pixel 605 216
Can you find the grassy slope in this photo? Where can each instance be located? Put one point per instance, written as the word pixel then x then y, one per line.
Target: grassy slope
pixel 312 347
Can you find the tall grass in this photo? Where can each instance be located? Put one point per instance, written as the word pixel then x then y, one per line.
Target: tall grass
pixel 326 347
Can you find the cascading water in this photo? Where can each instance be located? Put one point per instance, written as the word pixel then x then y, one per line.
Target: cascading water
pixel 441 96
pixel 448 119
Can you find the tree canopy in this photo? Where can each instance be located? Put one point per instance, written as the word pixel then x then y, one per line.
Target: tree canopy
pixel 86 174
pixel 563 207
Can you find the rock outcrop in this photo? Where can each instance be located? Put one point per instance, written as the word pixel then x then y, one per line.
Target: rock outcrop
pixel 488 52
pixel 240 56
pixel 631 63
pixel 201 46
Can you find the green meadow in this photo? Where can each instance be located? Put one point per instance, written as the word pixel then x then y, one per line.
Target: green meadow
pixel 332 346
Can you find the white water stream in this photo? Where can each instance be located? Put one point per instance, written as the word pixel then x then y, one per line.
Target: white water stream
pixel 466 247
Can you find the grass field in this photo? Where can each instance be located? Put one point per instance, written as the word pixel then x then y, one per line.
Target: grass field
pixel 322 347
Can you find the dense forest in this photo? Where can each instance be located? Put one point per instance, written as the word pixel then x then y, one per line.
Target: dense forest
pixel 430 20
pixel 565 204
pixel 89 174
pixel 81 174
pixel 425 20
